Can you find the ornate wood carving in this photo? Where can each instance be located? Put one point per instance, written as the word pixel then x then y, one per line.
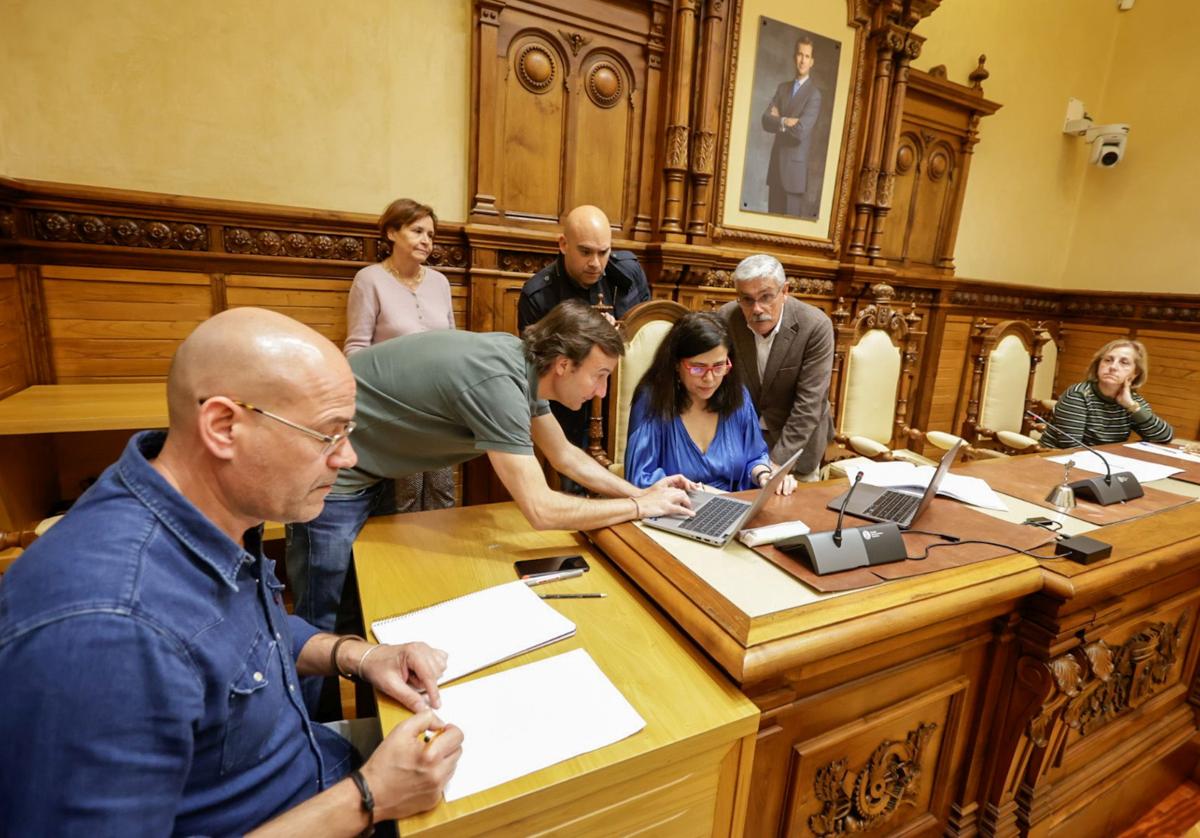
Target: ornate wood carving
pixel 604 85
pixel 523 262
pixel 704 137
pixel 575 40
pixel 123 232
pixel 295 244
pixel 535 67
pixel 8 223
pixel 862 800
pixel 679 121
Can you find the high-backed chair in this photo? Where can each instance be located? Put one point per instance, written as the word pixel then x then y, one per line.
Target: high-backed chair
pixel 643 329
pixel 1043 380
pixel 873 363
pixel 1005 358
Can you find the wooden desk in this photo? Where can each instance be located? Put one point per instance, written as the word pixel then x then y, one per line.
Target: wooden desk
pixel 1012 696
pixel 54 437
pixel 684 774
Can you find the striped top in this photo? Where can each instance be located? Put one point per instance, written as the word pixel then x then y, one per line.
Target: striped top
pixel 1087 414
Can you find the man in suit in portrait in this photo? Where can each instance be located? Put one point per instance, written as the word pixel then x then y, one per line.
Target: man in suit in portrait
pixel 791 117
pixel 783 349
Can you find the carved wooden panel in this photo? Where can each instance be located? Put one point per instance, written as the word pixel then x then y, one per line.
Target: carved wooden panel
pixel 1174 378
pixel 924 191
pixel 12 333
pixel 119 325
pixel 532 116
pixel 947 401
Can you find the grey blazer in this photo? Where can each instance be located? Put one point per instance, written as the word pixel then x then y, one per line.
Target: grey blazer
pixel 793 395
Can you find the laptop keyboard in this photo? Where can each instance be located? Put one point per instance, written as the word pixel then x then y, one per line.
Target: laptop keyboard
pixel 894 506
pixel 714 517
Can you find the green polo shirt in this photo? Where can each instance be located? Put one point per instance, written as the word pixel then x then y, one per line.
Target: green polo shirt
pixel 436 399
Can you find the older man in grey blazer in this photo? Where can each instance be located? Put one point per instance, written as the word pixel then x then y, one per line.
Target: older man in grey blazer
pixel 784 352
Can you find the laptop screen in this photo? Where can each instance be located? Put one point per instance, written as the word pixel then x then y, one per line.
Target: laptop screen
pixel 936 481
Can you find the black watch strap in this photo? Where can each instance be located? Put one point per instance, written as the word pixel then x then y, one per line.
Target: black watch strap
pixel 368 801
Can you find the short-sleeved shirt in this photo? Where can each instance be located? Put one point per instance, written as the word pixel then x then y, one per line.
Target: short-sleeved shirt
pixel 437 399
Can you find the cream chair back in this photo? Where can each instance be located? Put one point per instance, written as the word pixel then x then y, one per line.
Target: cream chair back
pixel 872 379
pixel 1002 405
pixel 1043 380
pixel 639 354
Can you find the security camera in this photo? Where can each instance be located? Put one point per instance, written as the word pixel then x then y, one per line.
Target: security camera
pixel 1108 144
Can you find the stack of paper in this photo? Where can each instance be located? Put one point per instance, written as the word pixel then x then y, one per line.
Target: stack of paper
pixel 1143 470
pixel 899 474
pixel 479 629
pixel 525 719
pixel 1164 451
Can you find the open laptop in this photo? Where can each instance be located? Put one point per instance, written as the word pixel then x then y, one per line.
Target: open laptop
pixel 878 504
pixel 719 517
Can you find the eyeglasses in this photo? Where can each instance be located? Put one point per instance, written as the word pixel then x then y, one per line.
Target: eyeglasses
pixel 331 441
pixel 763 300
pixel 718 370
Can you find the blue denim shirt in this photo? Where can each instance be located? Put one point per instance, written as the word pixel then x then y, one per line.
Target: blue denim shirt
pixel 148 673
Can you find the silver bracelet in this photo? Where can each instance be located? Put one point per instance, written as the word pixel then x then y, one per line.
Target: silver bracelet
pixel 363 659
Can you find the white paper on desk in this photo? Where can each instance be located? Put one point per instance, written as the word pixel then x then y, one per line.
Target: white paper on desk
pixel 480 628
pixel 522 720
pixel 897 474
pixel 1163 451
pixel 1141 469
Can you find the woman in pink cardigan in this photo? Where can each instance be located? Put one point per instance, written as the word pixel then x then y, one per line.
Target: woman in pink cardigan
pixel 400 296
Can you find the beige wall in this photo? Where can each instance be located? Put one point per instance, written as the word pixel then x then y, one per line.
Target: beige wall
pixel 1138 221
pixel 1027 176
pixel 308 103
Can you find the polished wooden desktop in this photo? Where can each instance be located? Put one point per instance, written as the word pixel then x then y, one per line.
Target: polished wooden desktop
pixel 684 774
pixel 54 437
pixel 1012 696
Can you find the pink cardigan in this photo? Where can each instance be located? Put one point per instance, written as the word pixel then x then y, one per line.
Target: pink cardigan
pixel 380 307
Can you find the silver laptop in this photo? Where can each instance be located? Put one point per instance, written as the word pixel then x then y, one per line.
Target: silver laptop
pixel 878 504
pixel 719 517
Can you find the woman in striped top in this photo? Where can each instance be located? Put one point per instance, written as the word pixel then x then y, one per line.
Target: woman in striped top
pixel 1107 407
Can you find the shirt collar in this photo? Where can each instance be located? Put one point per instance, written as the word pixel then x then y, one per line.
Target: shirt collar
pixel 176 513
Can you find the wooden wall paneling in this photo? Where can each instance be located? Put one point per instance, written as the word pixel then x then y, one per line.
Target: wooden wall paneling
pixel 649 185
pixel 319 303
pixel 906 183
pixel 948 398
pixel 487 62
pixel 119 325
pixel 606 112
pixel 13 363
pixel 1174 378
pixel 934 197
pixel 39 368
pixel 532 127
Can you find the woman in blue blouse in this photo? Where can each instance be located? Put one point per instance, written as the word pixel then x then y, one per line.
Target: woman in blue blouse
pixel 691 415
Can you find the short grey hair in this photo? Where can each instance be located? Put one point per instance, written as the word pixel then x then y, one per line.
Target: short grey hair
pixel 758 266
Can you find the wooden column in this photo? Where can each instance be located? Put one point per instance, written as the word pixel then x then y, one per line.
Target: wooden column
pixel 676 151
pixel 886 42
pixel 656 44
pixel 483 98
pixel 704 137
pixel 909 49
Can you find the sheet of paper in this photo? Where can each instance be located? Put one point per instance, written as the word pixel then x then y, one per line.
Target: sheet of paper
pixel 481 628
pixel 522 720
pixel 1164 451
pixel 896 474
pixel 1142 470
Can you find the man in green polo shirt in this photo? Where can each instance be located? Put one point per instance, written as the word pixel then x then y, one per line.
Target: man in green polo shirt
pixel 436 399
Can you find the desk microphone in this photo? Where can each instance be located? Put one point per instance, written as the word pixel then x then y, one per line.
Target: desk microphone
pixel 1106 490
pixel 846 549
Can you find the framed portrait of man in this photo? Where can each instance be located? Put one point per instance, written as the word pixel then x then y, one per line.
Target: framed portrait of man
pixel 791 113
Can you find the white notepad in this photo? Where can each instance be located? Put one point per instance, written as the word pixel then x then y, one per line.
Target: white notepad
pixel 480 628
pixel 528 718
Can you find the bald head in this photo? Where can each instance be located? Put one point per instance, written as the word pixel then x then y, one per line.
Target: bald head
pixel 251 354
pixel 586 243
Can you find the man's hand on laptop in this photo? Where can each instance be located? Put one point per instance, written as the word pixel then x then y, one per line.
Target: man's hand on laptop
pixel 666 498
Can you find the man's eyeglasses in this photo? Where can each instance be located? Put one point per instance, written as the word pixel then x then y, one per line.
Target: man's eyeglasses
pixel 698 370
pixel 331 441
pixel 763 300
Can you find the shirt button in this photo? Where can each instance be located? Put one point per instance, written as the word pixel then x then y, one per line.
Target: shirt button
pixel 291 688
pixel 257 676
pixel 278 636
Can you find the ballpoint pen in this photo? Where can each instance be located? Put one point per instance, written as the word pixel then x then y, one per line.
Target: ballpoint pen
pixel 551 577
pixel 572 596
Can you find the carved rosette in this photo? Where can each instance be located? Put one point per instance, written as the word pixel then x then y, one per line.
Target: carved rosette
pixel 292 243
pixel 8 223
pixel 535 67
pixel 811 285
pixel 447 257
pixel 123 232
pixel 604 84
pixel 718 279
pixel 574 40
pixel 862 800
pixel 677 146
pixel 517 261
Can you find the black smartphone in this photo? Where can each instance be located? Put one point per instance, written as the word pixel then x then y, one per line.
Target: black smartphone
pixel 553 564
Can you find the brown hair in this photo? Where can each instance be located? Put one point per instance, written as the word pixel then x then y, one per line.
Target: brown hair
pixel 570 331
pixel 1141 360
pixel 402 212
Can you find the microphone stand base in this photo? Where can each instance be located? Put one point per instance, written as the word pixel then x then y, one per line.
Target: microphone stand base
pixel 1124 486
pixel 865 546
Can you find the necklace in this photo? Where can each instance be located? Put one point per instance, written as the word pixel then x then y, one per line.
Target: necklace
pixel 409 282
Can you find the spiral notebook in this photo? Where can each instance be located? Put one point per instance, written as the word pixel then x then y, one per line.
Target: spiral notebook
pixel 480 628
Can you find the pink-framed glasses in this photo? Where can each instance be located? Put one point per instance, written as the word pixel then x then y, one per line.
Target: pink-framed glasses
pixel 699 370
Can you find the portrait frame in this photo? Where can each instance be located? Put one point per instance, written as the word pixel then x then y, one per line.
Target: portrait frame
pixel 835 20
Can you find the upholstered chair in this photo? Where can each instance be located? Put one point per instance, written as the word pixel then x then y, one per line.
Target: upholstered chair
pixel 1005 358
